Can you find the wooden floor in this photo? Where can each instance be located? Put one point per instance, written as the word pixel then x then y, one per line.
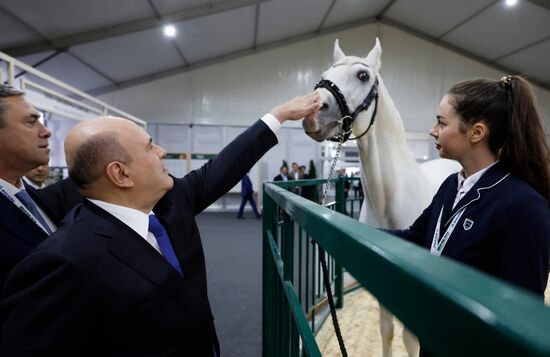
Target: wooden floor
pixel 359 321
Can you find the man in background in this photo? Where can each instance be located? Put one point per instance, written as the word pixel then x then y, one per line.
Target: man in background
pixel 37 177
pixel 247 195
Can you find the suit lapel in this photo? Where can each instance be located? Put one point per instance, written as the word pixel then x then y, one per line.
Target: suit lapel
pixel 135 252
pixel 21 226
pixel 490 179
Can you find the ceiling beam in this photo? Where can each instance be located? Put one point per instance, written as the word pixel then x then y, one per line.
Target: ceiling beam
pixel 299 38
pixel 542 3
pixel 172 40
pixel 467 18
pixel 58 50
pixel 386 8
pixel 256 26
pixel 128 27
pixel 320 27
pixel 230 56
pixel 460 51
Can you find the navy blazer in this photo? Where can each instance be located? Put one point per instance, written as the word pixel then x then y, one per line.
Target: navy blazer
pixel 246 187
pixel 504 231
pixel 97 288
pixel 18 233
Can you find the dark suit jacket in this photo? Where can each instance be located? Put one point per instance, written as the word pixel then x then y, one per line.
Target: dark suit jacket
pixel 507 233
pixel 18 233
pixel 97 288
pixel 246 187
pixel 279 177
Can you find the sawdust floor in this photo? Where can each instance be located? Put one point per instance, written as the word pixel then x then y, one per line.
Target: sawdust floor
pixel 359 322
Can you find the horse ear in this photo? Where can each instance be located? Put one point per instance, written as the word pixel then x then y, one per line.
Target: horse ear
pixel 338 53
pixel 374 56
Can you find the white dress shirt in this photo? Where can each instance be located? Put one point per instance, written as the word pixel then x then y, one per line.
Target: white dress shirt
pixel 272 122
pixel 465 184
pixel 136 220
pixel 32 184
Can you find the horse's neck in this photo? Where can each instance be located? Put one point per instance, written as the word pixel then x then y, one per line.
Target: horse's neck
pixel 389 168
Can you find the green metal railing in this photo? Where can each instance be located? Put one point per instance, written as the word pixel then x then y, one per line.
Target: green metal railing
pixel 453 309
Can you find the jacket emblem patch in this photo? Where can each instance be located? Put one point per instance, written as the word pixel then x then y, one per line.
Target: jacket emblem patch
pixel 468 223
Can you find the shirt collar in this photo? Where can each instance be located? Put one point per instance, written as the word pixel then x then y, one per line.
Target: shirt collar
pixel 133 218
pixel 468 183
pixel 30 183
pixel 11 189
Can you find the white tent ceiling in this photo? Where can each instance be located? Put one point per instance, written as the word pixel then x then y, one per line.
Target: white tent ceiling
pixel 103 45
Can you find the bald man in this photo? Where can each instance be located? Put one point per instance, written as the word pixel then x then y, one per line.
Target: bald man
pixel 118 281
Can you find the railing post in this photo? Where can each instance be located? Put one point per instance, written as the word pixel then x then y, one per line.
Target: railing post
pixel 287 246
pixel 340 198
pixel 269 278
pixel 338 271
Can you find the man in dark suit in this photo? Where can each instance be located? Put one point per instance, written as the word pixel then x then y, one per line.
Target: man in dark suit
pixel 283 174
pixel 126 274
pixel 247 195
pixel 25 218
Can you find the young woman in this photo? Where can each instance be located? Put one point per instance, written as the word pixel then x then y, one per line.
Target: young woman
pixel 494 215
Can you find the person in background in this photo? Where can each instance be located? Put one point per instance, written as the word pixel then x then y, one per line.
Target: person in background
pixel 247 195
pixel 283 174
pixel 37 177
pixel 296 175
pixel 342 173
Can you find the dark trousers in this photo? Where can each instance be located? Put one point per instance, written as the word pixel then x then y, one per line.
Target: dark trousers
pixel 252 203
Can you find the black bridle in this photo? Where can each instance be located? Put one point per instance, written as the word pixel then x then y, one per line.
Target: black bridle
pixel 346 122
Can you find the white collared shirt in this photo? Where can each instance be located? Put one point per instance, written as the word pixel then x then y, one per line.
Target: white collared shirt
pixel 32 184
pixel 11 190
pixel 465 184
pixel 272 122
pixel 136 220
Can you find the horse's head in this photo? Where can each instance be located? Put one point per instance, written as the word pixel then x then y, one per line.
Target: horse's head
pixel 355 77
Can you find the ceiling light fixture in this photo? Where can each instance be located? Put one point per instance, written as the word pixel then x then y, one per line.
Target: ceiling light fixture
pixel 169 31
pixel 511 3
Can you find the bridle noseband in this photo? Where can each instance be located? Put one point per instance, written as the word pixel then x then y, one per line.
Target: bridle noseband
pixel 346 122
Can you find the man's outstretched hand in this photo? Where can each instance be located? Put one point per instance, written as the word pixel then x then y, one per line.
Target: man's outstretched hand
pixel 297 107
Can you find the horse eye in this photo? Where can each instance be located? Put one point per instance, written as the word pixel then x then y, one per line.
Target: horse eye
pixel 363 76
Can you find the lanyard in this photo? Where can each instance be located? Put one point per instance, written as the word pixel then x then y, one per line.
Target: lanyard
pixel 437 243
pixel 21 207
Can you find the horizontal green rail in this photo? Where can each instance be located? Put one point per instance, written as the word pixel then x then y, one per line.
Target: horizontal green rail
pixel 453 309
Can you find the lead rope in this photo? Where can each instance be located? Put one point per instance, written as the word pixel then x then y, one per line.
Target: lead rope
pixel 324 263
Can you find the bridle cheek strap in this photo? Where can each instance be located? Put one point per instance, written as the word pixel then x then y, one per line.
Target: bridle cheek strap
pixel 346 122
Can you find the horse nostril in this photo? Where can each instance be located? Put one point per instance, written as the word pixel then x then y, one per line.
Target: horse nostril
pixel 324 106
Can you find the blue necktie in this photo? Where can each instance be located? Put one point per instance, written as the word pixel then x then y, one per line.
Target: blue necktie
pixel 26 200
pixel 163 241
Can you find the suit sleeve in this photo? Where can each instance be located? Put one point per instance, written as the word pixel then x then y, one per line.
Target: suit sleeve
pixel 46 309
pixel 526 245
pixel 205 185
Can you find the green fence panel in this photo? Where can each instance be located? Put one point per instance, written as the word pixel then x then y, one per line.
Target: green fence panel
pixel 453 309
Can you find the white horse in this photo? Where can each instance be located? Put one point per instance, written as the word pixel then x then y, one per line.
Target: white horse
pixel 396 189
